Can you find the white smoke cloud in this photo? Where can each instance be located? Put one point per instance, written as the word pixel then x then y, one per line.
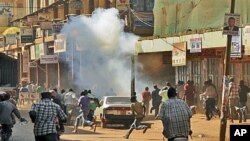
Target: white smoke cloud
pixel 106 51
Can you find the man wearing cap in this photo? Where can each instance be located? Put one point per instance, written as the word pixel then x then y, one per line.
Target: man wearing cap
pixel 44 115
pixel 175 115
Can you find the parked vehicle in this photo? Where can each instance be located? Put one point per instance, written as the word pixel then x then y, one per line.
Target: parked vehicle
pixel 115 110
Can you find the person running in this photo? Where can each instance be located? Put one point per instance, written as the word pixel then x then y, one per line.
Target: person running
pixel 156 100
pixel 44 115
pixel 146 97
pixel 84 102
pixel 138 110
pixel 175 115
pixel 6 117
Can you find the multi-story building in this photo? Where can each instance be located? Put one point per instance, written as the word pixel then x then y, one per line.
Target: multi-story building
pixel 37 23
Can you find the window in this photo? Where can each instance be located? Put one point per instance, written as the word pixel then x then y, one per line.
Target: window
pixel 196 73
pixel 182 73
pixel 213 71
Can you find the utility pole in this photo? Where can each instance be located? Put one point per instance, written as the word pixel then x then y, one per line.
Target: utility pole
pixel 223 119
pixel 132 55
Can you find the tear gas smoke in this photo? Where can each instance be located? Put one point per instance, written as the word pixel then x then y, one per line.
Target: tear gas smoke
pixel 103 52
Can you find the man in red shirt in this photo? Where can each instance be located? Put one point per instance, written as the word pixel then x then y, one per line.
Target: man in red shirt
pixel 146 97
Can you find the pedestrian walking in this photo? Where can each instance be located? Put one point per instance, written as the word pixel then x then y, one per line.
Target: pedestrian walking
pixel 44 115
pixel 146 97
pixel 175 115
pixel 138 110
pixel 156 100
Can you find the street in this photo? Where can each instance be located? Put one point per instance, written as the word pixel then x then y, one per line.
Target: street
pixel 202 131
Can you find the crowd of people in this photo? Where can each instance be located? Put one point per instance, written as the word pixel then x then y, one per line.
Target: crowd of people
pixel 171 104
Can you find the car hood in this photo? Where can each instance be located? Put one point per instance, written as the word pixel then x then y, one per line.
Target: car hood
pixel 116 105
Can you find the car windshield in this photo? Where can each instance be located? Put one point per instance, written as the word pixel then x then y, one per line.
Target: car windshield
pixel 118 100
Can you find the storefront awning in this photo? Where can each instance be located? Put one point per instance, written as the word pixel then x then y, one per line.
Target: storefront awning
pixel 11 30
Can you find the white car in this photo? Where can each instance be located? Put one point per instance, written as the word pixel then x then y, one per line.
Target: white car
pixel 115 110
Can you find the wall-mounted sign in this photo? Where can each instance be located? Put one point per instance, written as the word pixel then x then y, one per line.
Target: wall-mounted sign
pixel 60 43
pixel 246 40
pixel 43 16
pixel 2 42
pixel 25 61
pixel 46 25
pixel 32 20
pixel 10 39
pixel 236 47
pixel 26 35
pixel 195 44
pixel 49 59
pixel 179 54
pixel 76 4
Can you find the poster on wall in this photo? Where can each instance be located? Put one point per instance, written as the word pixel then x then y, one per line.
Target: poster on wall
pixel 10 39
pixel 231 24
pixel 246 40
pixel 196 45
pixel 179 54
pixel 2 42
pixel 60 43
pixel 26 35
pixel 25 61
pixel 236 47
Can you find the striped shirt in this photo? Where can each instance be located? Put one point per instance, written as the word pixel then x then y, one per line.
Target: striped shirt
pixel 234 90
pixel 46 114
pixel 175 115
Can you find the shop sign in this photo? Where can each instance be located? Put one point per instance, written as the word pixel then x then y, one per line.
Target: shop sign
pixel 122 4
pixel 32 53
pixel 179 54
pixel 25 61
pixel 43 16
pixel 26 35
pixel 10 39
pixel 32 20
pixel 236 47
pixel 39 50
pixel 46 25
pixel 196 45
pixel 49 59
pixel 76 4
pixel 246 40
pixel 2 42
pixel 60 43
